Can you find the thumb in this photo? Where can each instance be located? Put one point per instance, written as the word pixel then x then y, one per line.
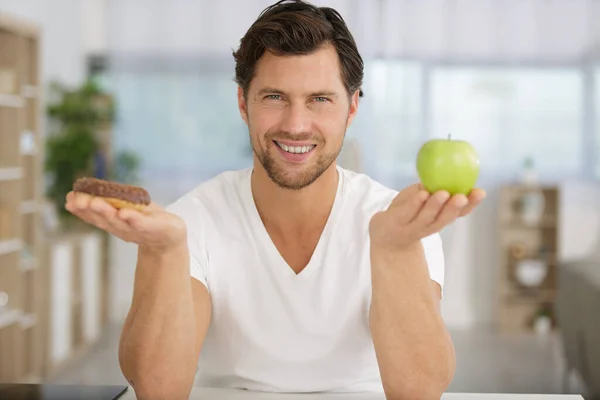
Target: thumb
pixel 407 207
pixel 407 192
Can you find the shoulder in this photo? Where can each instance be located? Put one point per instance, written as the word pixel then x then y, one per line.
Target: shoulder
pixel 366 196
pixel 365 192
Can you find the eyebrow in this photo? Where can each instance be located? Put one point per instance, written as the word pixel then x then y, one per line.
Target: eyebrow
pixel 323 93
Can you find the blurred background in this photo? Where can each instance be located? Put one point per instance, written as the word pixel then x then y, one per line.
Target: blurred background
pixel 142 92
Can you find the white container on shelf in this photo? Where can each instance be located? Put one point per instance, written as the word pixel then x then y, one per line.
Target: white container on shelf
pixel 27 143
pixel 61 283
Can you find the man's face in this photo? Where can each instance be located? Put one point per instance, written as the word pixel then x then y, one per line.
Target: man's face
pixel 297 111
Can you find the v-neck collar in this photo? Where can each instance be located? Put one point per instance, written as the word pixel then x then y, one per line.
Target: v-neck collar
pixel 265 238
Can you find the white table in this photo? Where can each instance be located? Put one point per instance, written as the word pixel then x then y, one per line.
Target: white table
pixel 230 394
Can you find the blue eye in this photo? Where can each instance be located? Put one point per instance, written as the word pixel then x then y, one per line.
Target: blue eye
pixel 321 99
pixel 273 97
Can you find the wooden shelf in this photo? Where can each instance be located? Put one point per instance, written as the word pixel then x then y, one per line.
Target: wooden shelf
pixel 10 246
pixel 57 285
pixel 30 92
pixel 10 317
pixel 11 174
pixel 28 264
pixel 528 242
pixel 28 321
pixel 23 328
pixel 547 222
pixel 531 296
pixel 28 206
pixel 12 101
pixel 29 152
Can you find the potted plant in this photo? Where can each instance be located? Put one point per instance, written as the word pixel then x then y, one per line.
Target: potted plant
pixel 72 149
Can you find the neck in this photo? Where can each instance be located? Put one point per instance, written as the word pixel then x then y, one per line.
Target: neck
pixel 294 209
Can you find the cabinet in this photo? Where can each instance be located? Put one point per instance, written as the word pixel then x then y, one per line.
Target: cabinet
pixel 53 287
pixel 21 150
pixel 528 223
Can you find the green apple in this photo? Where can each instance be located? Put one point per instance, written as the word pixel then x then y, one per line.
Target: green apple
pixel 447 164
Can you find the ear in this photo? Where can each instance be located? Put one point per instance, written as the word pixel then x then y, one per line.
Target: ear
pixel 242 105
pixel 353 108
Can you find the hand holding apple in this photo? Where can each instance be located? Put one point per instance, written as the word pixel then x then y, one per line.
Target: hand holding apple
pixel 415 214
pixel 450 165
pixel 448 170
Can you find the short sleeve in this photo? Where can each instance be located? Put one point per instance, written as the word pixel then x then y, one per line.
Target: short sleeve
pixel 434 255
pixel 191 213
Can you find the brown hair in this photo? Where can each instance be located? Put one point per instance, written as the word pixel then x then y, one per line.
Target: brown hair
pixel 297 27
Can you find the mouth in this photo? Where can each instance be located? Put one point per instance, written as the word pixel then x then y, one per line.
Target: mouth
pixel 295 149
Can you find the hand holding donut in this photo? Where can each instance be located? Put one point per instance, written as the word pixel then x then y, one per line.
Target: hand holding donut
pixel 126 212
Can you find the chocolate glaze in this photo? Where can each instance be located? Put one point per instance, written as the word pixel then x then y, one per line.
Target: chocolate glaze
pixel 101 188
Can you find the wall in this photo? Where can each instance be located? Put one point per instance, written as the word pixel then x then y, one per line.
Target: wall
pixel 184 27
pixel 530 30
pixel 94 26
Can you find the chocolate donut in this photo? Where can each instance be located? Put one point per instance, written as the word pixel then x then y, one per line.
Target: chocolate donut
pixel 116 194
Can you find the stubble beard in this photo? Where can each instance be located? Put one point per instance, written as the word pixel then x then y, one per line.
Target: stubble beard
pixel 295 180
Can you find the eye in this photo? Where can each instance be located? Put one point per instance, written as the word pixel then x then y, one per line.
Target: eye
pixel 321 99
pixel 273 97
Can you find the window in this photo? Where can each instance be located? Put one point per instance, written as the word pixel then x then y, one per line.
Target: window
pixel 185 126
pixel 389 122
pixel 510 114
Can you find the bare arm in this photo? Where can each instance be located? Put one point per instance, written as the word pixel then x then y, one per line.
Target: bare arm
pixel 170 311
pixel 414 351
pixel 165 326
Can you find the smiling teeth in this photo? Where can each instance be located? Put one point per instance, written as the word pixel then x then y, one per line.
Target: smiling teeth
pixel 295 149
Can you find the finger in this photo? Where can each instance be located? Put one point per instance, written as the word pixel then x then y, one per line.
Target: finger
pixel 109 214
pixel 90 209
pixel 100 206
pixel 475 198
pixel 81 201
pixel 70 202
pixel 92 218
pixel 70 198
pixel 85 214
pixel 406 193
pixel 410 207
pixel 449 213
pixel 431 209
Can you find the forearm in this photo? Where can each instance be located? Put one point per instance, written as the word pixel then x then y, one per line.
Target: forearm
pixel 414 351
pixel 157 345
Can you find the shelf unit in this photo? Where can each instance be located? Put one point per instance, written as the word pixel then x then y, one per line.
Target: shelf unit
pixel 21 145
pixel 528 224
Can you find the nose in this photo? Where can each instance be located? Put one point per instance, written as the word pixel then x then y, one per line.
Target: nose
pixel 296 119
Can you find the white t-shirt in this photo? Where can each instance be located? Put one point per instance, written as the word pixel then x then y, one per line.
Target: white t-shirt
pixel 273 330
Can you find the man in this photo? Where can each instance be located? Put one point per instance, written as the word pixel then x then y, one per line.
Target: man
pixel 304 276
